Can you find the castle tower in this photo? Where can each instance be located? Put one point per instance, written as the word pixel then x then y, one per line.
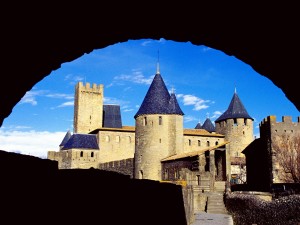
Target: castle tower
pixel 208 125
pixel 159 130
pixel 88 107
pixel 237 126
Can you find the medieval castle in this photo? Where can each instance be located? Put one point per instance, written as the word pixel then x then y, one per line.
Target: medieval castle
pixel 158 147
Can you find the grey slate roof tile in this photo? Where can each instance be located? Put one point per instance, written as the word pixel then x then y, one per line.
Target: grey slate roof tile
pixel 66 138
pixel 158 100
pixel 82 141
pixel 198 126
pixel 112 116
pixel 236 109
pixel 208 125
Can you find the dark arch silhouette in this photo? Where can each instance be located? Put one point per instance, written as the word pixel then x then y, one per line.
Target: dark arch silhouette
pixel 37 39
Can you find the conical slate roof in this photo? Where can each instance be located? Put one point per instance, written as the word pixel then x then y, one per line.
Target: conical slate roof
pixel 66 138
pixel 158 100
pixel 174 107
pixel 208 125
pixel 198 126
pixel 236 109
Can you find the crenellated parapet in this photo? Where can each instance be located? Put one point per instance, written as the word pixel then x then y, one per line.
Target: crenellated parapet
pixel 88 88
pixel 270 126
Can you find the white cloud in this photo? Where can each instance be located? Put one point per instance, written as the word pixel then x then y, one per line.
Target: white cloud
pixel 189 119
pixel 205 49
pixel 127 110
pixel 197 102
pixel 63 96
pixel 73 78
pixel 216 114
pixel 31 143
pixel 30 97
pixel 136 77
pixel 66 104
pixel 145 43
pixel 149 42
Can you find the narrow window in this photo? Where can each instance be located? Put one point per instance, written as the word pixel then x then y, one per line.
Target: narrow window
pixel 145 121
pixel 217 143
pixel 198 179
pixel 141 174
pixel 235 121
pixel 92 154
pixel 207 143
pixel 199 143
pixel 107 138
pixel 190 142
pixel 160 140
pixel 81 154
pixel 245 121
pixel 160 120
pixel 118 138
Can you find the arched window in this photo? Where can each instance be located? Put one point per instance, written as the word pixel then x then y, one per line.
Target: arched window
pixel 207 143
pixel 199 143
pixel 92 154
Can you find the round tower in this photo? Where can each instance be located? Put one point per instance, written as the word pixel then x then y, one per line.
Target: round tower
pixel 237 126
pixel 158 130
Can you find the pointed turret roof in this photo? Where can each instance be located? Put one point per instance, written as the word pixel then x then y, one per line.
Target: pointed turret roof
pixel 198 126
pixel 236 109
pixel 174 107
pixel 208 125
pixel 66 138
pixel 158 100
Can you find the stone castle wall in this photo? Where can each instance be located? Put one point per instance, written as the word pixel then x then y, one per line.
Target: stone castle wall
pixel 115 145
pixel 196 143
pixel 270 130
pixel 75 158
pixel 239 132
pixel 125 166
pixel 88 107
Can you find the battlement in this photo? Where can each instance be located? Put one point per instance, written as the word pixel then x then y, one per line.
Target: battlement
pixel 272 119
pixel 89 88
pixel 270 126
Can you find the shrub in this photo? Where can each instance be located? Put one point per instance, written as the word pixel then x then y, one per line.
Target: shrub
pixel 249 209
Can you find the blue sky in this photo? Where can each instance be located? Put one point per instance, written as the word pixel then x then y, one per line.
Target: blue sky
pixel 204 80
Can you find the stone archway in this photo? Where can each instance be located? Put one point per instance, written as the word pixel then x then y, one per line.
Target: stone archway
pixel 37 41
